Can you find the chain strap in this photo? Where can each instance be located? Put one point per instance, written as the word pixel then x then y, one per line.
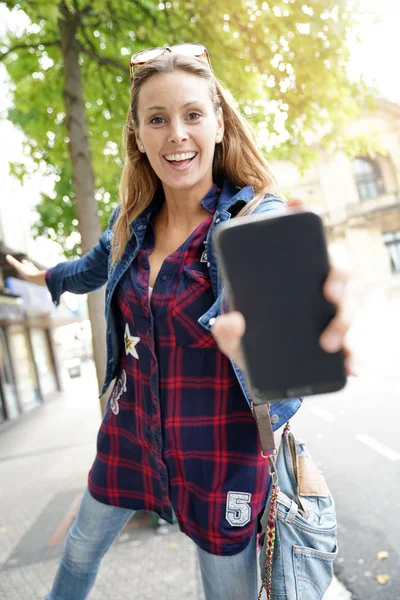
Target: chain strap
pixel 270 532
pixel 271 525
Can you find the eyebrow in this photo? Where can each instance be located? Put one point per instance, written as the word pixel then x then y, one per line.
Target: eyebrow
pixel 157 107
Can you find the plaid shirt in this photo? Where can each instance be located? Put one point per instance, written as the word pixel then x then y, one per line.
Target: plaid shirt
pixel 178 431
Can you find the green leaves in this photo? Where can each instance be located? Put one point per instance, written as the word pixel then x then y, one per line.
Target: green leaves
pixel 284 61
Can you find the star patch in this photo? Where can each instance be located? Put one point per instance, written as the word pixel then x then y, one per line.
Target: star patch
pixel 130 342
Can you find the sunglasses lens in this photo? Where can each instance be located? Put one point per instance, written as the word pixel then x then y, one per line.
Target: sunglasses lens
pixel 146 55
pixel 191 49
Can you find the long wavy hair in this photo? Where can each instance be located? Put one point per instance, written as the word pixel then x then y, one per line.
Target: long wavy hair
pixel 236 157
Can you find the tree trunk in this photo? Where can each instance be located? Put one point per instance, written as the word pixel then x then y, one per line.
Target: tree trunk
pixel 82 175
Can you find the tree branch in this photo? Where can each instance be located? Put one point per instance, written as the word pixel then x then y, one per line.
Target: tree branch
pixel 103 60
pixel 26 46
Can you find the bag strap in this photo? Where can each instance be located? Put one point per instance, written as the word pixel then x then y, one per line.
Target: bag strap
pixel 262 416
pixel 263 420
pixel 270 539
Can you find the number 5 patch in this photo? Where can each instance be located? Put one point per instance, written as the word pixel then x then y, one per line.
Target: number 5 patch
pixel 238 511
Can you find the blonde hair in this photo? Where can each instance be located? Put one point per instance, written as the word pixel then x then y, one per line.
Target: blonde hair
pixel 236 157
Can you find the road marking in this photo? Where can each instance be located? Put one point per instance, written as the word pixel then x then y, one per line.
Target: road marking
pixel 323 414
pixel 378 447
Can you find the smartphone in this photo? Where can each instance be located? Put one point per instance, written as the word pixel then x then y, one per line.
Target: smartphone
pixel 274 266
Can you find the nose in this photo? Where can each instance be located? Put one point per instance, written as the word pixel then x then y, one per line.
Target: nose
pixel 177 132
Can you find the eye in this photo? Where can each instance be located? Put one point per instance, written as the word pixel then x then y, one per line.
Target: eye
pixel 156 120
pixel 194 116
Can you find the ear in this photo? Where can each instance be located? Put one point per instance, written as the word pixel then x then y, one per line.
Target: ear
pixel 220 126
pixel 139 143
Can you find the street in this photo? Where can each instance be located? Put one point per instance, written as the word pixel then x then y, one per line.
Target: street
pixel 44 461
pixel 354 437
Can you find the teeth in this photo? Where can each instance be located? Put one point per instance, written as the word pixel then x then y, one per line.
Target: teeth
pixel 178 157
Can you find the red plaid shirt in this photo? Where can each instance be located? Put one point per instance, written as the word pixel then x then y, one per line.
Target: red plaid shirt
pixel 178 431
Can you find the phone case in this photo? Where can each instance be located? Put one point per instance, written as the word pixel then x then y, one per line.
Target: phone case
pixel 274 266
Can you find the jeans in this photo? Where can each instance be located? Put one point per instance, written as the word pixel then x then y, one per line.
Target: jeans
pixel 98 525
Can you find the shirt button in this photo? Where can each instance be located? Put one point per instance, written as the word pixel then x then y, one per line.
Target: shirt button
pixel 208 264
pixel 274 419
pixel 164 277
pixel 217 220
pixel 211 321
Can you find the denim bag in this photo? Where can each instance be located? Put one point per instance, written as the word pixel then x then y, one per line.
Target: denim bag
pixel 298 526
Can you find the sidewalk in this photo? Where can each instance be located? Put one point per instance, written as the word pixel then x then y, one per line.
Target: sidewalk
pixel 44 461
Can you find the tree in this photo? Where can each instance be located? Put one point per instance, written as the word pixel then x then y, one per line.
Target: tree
pixel 285 62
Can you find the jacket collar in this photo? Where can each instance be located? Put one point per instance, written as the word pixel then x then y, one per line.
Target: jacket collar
pixel 230 194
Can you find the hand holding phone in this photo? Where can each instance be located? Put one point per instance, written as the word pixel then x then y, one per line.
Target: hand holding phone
pixel 274 266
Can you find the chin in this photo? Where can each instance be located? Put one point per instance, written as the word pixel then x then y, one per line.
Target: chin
pixel 182 183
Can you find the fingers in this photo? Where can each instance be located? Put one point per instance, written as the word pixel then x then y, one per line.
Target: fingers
pixel 228 331
pixel 12 261
pixel 25 268
pixel 295 202
pixel 18 266
pixel 339 273
pixel 332 339
pixel 349 360
pixel 337 290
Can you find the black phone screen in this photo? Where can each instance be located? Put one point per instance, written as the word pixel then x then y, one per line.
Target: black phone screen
pixel 274 268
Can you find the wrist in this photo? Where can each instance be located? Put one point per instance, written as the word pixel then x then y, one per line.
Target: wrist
pixel 39 278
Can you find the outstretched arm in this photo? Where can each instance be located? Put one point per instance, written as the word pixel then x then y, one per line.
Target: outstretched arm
pixel 79 276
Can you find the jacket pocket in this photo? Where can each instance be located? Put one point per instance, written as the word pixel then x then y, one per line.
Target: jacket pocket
pixel 313 572
pixel 304 554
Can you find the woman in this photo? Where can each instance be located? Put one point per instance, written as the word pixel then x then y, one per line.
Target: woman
pixel 177 433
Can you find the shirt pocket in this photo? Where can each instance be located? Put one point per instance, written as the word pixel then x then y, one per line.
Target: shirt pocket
pixel 194 297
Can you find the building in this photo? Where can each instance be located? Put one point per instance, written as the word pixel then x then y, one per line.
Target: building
pixel 359 196
pixel 29 357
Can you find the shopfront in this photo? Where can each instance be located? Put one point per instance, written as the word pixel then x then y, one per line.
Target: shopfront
pixel 11 311
pixel 29 358
pixel 8 394
pixel 30 347
pixel 24 367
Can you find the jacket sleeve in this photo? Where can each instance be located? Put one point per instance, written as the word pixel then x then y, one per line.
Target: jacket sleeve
pixel 268 204
pixel 84 274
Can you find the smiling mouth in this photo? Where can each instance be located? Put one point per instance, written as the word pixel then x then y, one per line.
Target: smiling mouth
pixel 180 161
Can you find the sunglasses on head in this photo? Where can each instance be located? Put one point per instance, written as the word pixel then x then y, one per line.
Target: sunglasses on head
pixel 187 49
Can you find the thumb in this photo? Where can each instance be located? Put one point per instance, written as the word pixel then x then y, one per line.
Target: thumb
pixel 228 331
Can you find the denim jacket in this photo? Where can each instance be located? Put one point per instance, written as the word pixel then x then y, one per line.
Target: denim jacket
pixel 93 270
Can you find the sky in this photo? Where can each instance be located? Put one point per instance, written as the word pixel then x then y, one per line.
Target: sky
pixel 379 50
pixel 375 56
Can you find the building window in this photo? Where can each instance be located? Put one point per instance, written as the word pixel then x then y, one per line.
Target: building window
pixel 368 178
pixel 392 243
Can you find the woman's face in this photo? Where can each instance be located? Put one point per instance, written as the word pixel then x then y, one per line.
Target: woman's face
pixel 178 129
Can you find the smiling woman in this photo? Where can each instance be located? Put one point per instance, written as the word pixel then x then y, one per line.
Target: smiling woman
pixel 178 436
pixel 195 117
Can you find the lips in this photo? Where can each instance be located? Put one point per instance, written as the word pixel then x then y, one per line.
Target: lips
pixel 182 163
